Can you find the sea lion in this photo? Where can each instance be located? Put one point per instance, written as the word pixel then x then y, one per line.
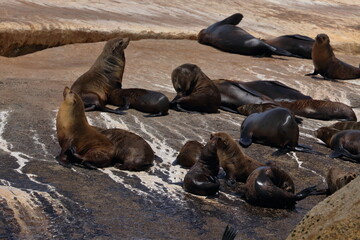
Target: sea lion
pixel 249 109
pixel 155 103
pixel 235 93
pixel 132 152
pixel 346 125
pixel 327 65
pixel 226 36
pixel 202 179
pixel 237 165
pixel 273 188
pixel 275 127
pixel 189 154
pixel 296 44
pixel 195 91
pixel 321 109
pixel 275 90
pixel 77 139
pixel 337 178
pixel 105 75
pixel 325 134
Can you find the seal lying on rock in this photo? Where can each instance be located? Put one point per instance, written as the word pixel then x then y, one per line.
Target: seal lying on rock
pixel 105 75
pixel 337 178
pixel 327 65
pixel 189 154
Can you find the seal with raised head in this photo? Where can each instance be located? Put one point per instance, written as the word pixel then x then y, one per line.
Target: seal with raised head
pixel 327 65
pixel 228 37
pixel 338 178
pixel 202 179
pixel 195 91
pixel 275 127
pixel 147 101
pixel 346 125
pixel 105 75
pixel 78 140
pixel 189 154
pixel 235 94
pixel 273 188
pixel 297 44
pixel 237 165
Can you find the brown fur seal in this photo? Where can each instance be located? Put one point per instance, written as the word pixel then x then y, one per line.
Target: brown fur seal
pixel 189 154
pixel 248 109
pixel 235 93
pixel 155 103
pixel 325 134
pixel 337 178
pixel 237 165
pixel 105 75
pixel 132 152
pixel 299 45
pixel 228 37
pixel 327 65
pixel 346 125
pixel 201 179
pixel 275 127
pixel 272 187
pixel 195 91
pixel 77 138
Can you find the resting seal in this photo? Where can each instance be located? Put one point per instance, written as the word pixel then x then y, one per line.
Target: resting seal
pixel 201 179
pixel 249 109
pixel 337 178
pixel 78 140
pixel 237 165
pixel 327 65
pixel 228 37
pixel 142 100
pixel 235 94
pixel 189 154
pixel 296 44
pixel 195 91
pixel 105 75
pixel 347 125
pixel 272 187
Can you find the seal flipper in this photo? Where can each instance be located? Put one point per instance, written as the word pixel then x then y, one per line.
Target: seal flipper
pixel 227 109
pixel 281 52
pixel 229 233
pixel 305 193
pixel 312 74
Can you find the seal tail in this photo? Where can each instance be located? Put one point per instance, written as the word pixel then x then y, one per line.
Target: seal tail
pixel 346 153
pixel 229 233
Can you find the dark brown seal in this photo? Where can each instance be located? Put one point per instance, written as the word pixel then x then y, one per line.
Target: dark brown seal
pixel 155 103
pixel 275 127
pixel 189 154
pixel 201 179
pixel 296 44
pixel 228 37
pixel 105 75
pixel 338 178
pixel 77 139
pixel 346 125
pixel 248 109
pixel 273 188
pixel 327 65
pixel 325 134
pixel 235 94
pixel 237 165
pixel 132 152
pixel 195 91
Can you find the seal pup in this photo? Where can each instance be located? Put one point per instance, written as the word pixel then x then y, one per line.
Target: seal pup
pixel 77 139
pixel 296 44
pixel 155 103
pixel 234 94
pixel 105 75
pixel 195 91
pixel 237 165
pixel 272 187
pixel 202 179
pixel 327 65
pixel 338 178
pixel 346 125
pixel 189 154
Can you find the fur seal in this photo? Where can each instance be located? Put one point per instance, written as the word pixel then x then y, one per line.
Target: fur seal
pixel 155 103
pixel 327 65
pixel 346 125
pixel 105 75
pixel 202 179
pixel 195 91
pixel 228 37
pixel 273 188
pixel 275 127
pixel 132 152
pixel 189 154
pixel 337 178
pixel 275 90
pixel 235 93
pixel 249 109
pixel 325 134
pixel 77 139
pixel 237 165
pixel 296 44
